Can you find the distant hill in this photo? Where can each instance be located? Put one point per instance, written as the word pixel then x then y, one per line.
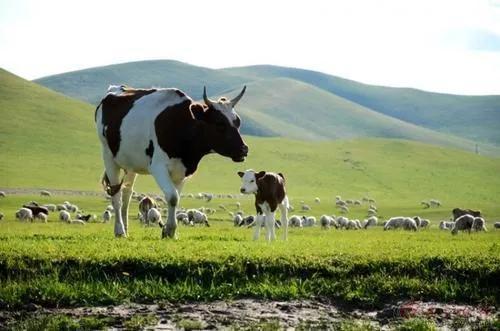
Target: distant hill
pixel 304 104
pixel 472 117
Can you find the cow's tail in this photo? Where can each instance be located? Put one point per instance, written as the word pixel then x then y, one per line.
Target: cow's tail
pixel 96 109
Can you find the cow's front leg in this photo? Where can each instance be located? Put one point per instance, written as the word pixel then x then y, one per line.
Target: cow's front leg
pixel 162 177
pixel 112 171
pixel 259 219
pixel 270 226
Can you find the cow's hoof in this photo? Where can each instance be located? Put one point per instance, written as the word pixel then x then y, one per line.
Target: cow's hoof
pixel 168 232
pixel 120 235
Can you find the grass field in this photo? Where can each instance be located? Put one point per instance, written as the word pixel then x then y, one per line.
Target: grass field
pixel 58 264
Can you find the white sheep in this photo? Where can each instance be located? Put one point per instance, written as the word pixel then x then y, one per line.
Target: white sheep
pixel 153 216
pixel 351 225
pixel 435 203
pixel 77 222
pixel 424 223
pixel 344 209
pixel 463 223
pixel 317 200
pixel 305 207
pixel 308 221
pixel 446 225
pixel 45 193
pixel 197 217
pixel 410 224
pixel 479 224
pixel 107 215
pixel 50 207
pixel 326 221
pixel 417 220
pixel 394 223
pixel 24 214
pixel 357 202
pixel 295 221
pixel 110 208
pixel 182 217
pixel 61 207
pixel 496 225
pixel 42 217
pixel 342 222
pixel 237 219
pixel 370 221
pixel 2 194
pixel 72 208
pixel 64 216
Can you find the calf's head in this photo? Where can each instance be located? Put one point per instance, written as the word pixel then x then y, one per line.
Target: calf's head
pixel 223 126
pixel 249 180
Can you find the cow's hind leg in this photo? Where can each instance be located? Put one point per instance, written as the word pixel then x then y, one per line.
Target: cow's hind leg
pixel 259 219
pixel 127 186
pixel 162 177
pixel 112 172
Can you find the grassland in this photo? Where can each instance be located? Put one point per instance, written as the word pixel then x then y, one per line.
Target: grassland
pixel 57 264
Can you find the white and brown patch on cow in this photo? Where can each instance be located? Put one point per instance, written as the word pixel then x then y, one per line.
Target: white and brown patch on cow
pixel 226 108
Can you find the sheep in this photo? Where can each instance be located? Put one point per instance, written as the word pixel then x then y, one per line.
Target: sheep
pixel 237 219
pixel 305 207
pixel 424 223
pixel 342 222
pixel 371 200
pixel 61 207
pixel 373 207
pixel 479 224
pixel 317 200
pixel 370 221
pixel 222 207
pixel 248 221
pixel 77 222
pixel 64 216
pixel 351 225
pixel 110 208
pixel 1 216
pixel 349 201
pixel 107 215
pixel 50 207
pixel 394 223
pixel 425 204
pixel 340 203
pixel 496 225
pixel 308 221
pixel 45 193
pixel 85 218
pixel 2 194
pixel 446 225
pixel 153 216
pixel 42 217
pixel 182 217
pixel 326 221
pixel 24 214
pixel 435 203
pixel 295 221
pixel 463 223
pixel 357 202
pixel 344 209
pixel 410 224
pixel 197 217
pixel 72 208
pixel 417 220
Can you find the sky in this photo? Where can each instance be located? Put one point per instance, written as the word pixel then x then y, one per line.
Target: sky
pixel 434 45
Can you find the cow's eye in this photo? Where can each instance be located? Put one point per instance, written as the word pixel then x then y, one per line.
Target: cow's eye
pixel 253 180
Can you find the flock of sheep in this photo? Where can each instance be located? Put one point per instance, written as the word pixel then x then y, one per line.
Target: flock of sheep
pixel 151 213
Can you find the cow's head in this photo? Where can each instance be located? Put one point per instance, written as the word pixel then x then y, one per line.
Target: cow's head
pixel 223 127
pixel 249 180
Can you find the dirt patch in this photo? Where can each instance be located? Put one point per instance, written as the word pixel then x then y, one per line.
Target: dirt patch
pixel 271 315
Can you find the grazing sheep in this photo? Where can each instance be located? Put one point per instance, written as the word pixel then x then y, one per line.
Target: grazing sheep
pixel 84 218
pixel 110 208
pixel 221 206
pixel 372 201
pixel 182 217
pixel 153 216
pixel 425 204
pixel 145 205
pixel 394 223
pixel 45 193
pixel 77 222
pixel 370 221
pixel 446 225
pixel 42 217
pixel 1 216
pixel 342 222
pixel 2 194
pixel 61 207
pixel 64 216
pixel 463 223
pixel 72 208
pixel 410 224
pixel 24 214
pixel 317 200
pixel 197 217
pixel 357 202
pixel 344 209
pixel 349 201
pixel 308 221
pixel 496 225
pixel 424 223
pixel 373 207
pixel 50 207
pixel 457 212
pixel 417 220
pixel 351 225
pixel 237 219
pixel 435 203
pixel 340 203
pixel 247 221
pixel 106 216
pixel 305 207
pixel 479 224
pixel 295 221
pixel 326 221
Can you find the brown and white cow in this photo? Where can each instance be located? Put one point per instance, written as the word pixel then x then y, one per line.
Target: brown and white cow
pixel 270 193
pixel 164 133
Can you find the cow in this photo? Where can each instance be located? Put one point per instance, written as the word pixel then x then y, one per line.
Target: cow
pixel 270 193
pixel 162 132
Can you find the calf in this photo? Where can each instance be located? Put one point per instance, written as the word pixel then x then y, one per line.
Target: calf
pixel 145 205
pixel 269 190
pixel 457 212
pixel 35 209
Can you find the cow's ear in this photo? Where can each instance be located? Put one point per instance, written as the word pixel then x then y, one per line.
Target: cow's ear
pixel 260 174
pixel 198 110
pixel 240 173
pixel 281 175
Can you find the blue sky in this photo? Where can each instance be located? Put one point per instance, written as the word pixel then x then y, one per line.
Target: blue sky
pixel 440 45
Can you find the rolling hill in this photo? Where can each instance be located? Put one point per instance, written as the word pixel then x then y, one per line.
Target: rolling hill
pixel 475 118
pixel 47 140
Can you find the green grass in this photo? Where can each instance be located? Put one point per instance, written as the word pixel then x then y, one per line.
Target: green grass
pixel 77 265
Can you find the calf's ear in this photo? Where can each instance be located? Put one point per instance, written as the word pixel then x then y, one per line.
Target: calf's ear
pixel 240 173
pixel 260 174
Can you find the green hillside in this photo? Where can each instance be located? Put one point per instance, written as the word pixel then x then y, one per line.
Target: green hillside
pixel 473 117
pixel 90 84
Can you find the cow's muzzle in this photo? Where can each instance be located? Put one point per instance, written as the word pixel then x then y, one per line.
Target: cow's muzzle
pixel 242 155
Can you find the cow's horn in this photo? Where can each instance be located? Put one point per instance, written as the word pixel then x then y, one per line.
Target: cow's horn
pixel 238 97
pixel 208 102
